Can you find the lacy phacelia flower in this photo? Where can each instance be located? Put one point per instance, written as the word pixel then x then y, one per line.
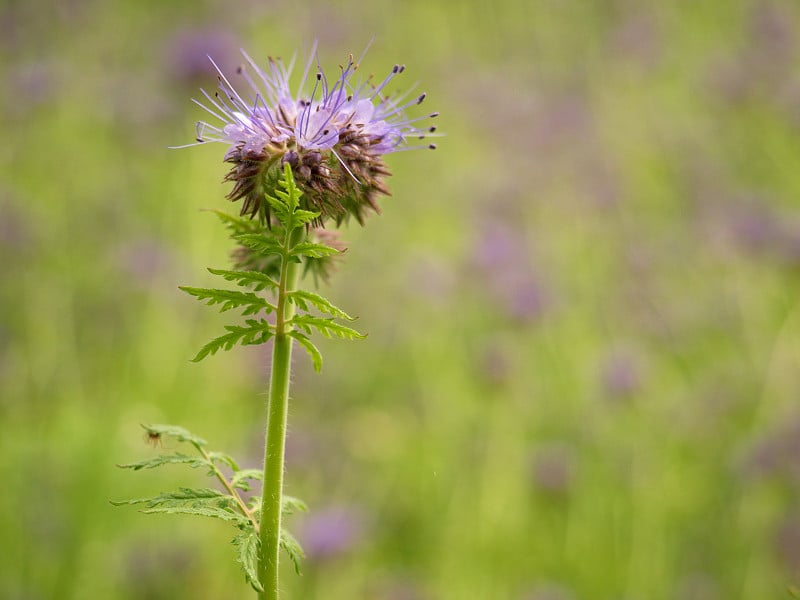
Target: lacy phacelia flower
pixel 334 139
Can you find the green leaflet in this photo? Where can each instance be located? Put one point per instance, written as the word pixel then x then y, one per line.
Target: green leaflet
pixel 261 243
pixel 293 505
pixel 302 217
pixel 326 326
pixel 302 299
pixel 256 332
pixel 312 250
pixel 250 302
pixel 240 478
pixel 313 352
pixel 292 547
pixel 214 512
pixel 221 457
pixel 237 225
pixel 182 495
pixel 248 546
pixel 167 459
pixel 192 501
pixel 255 279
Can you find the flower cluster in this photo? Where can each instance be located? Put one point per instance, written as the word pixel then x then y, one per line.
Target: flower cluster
pixel 335 138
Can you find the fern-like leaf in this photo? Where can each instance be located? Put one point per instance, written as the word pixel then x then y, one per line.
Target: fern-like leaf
pixel 182 496
pixel 256 332
pixel 326 326
pixel 302 299
pixel 293 549
pixel 248 547
pixel 291 195
pixel 167 459
pixel 292 505
pixel 215 512
pixel 313 250
pixel 302 217
pixel 260 243
pixel 250 302
pixel 237 225
pixel 255 279
pixel 203 502
pixel 240 478
pixel 227 459
pixel 313 351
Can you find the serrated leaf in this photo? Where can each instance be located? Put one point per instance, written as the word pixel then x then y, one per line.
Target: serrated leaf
pixel 221 457
pixel 302 299
pixel 239 478
pixel 192 501
pixel 214 512
pixel 175 431
pixel 301 217
pixel 256 279
pixel 326 326
pixel 292 194
pixel 313 250
pixel 237 225
pixel 248 548
pixel 292 505
pixel 313 351
pixel 183 495
pixel 167 459
pixel 260 243
pixel 254 504
pixel 278 205
pixel 292 547
pixel 256 332
pixel 251 302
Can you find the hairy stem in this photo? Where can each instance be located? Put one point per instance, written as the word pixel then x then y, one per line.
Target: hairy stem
pixel 272 496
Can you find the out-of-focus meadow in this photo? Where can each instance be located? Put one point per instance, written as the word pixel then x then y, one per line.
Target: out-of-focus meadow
pixel 583 370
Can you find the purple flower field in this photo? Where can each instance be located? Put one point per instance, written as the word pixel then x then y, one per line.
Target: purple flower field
pixel 582 374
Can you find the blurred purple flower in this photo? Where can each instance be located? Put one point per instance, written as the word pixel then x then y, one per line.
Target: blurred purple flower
pixel 402 590
pixel 637 38
pixel 142 260
pixel 330 532
pixel 549 591
pixel 493 362
pixel 15 229
pixel 764 67
pixel 33 85
pixel 553 469
pixel 698 586
pixel 620 375
pixel 775 456
pixel 755 227
pixel 188 51
pixel 786 543
pixel 503 258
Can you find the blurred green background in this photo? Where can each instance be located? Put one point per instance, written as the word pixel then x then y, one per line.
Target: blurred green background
pixel 582 375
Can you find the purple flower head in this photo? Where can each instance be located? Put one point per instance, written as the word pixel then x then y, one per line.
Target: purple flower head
pixel 331 532
pixel 334 137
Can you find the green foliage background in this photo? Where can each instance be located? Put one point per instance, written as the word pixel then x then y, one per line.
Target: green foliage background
pixel 581 379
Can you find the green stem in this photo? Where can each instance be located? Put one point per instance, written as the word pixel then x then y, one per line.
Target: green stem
pixel 272 495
